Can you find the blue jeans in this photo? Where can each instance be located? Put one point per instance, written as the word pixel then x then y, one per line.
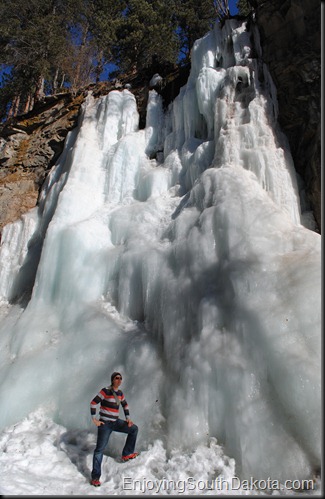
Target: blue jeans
pixel 104 432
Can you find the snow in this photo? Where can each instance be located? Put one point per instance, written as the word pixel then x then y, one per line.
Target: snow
pixel 155 81
pixel 175 255
pixel 40 457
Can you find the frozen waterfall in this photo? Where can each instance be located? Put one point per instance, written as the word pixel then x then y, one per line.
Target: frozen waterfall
pixel 191 273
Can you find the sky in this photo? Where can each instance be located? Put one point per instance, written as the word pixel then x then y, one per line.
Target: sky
pixel 232 7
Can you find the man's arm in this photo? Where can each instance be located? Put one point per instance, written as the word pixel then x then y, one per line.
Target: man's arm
pixel 93 404
pixel 125 406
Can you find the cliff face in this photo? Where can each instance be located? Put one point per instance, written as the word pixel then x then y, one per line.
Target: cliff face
pixel 290 32
pixel 29 146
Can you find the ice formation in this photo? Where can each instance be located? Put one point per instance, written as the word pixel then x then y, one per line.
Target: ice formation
pixel 177 256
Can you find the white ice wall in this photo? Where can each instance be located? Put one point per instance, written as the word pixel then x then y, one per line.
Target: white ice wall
pixel 176 255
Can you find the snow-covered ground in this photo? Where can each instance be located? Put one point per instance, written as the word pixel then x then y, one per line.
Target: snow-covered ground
pixel 39 457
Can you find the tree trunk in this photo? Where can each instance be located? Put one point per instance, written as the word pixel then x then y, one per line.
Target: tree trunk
pixel 77 78
pixel 99 67
pixel 27 107
pixel 39 92
pixel 62 81
pixel 13 111
pixel 55 81
pixel 222 9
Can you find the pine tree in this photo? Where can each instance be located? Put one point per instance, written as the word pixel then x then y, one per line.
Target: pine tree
pixel 32 39
pixel 222 9
pixel 146 36
pixel 104 16
pixel 194 18
pixel 244 7
pixel 46 44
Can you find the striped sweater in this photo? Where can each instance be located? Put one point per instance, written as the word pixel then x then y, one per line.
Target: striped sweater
pixel 109 410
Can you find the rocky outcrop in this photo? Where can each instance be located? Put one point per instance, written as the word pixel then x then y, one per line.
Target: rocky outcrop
pixel 290 32
pixel 29 146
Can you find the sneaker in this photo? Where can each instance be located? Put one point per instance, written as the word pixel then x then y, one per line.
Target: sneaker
pixel 95 482
pixel 130 456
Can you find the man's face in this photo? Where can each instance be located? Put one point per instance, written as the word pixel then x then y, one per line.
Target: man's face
pixel 117 381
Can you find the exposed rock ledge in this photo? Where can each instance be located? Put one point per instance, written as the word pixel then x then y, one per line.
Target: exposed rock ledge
pixel 29 146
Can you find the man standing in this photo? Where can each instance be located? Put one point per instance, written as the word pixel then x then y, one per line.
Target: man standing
pixel 110 398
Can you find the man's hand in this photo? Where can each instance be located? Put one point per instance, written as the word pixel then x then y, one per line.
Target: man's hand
pixel 97 422
pixel 129 422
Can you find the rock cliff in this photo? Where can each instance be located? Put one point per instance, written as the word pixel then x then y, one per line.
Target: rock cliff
pixel 29 146
pixel 290 32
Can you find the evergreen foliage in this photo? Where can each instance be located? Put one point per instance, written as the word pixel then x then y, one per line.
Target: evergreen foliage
pixel 49 46
pixel 244 7
pixel 194 18
pixel 33 43
pixel 146 35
